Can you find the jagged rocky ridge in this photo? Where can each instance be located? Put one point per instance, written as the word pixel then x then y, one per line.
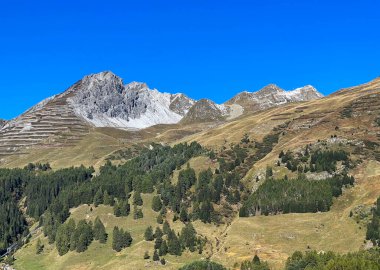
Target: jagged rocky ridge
pixel 102 100
pixel 272 95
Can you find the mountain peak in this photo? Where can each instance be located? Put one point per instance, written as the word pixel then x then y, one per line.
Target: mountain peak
pixel 269 90
pixel 204 110
pixel 307 92
pixel 272 95
pixel 104 75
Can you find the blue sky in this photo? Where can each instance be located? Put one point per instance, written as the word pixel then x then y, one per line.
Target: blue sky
pixel 211 49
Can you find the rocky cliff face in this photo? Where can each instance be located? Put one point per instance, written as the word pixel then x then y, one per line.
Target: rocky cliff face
pixel 272 95
pixel 102 100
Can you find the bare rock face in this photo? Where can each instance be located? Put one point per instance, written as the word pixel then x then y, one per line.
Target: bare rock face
pixel 102 100
pixel 272 95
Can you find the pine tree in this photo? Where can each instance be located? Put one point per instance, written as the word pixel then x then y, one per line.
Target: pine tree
pixel 120 239
pixel 98 198
pixel 148 235
pixel 162 261
pixel 166 228
pixel 117 239
pixel 163 248
pixel 188 237
pixel 256 260
pixel 82 243
pixel 137 200
pixel 156 203
pixel 117 210
pixel 158 242
pixel 156 258
pixel 137 213
pixel 125 208
pixel 183 214
pixel 158 232
pixel 106 198
pixel 206 212
pixel 160 219
pixel 63 236
pixel 99 231
pixel 62 240
pixel 85 236
pixel 174 246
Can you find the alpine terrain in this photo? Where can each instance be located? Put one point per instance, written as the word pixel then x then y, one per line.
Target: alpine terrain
pixel 109 175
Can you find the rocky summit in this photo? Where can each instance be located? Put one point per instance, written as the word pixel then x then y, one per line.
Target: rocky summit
pixel 207 180
pixel 272 95
pixel 103 100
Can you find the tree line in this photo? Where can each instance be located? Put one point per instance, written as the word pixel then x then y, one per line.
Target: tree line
pixel 295 195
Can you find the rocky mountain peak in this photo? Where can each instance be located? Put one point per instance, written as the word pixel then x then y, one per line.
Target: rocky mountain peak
pixel 307 92
pixel 270 89
pixel 205 110
pixel 103 100
pixel 272 95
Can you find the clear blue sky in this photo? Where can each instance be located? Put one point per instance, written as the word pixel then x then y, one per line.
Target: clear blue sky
pixel 210 49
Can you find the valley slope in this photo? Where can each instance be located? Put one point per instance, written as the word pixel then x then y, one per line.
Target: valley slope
pixel 348 118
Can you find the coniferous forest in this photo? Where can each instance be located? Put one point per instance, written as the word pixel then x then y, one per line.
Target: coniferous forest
pixel 45 195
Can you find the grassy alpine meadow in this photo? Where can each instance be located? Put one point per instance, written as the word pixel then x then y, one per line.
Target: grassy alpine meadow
pixel 273 238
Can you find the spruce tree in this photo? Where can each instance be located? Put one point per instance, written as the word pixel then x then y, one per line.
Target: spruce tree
pixel 85 236
pixel 206 212
pixel 117 210
pixel 117 239
pixel 174 246
pixel 98 198
pixel 158 242
pixel 163 248
pixel 183 216
pixel 156 258
pixel 62 240
pixel 166 228
pixel 137 200
pixel 99 231
pixel 156 203
pixel 125 208
pixel 158 232
pixel 148 235
pixel 160 220
pixel 106 198
pixel 188 237
pixel 137 213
